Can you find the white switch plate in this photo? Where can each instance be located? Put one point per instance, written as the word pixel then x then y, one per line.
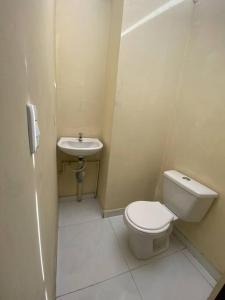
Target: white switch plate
pixel 33 129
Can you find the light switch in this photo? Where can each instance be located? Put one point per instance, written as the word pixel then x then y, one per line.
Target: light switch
pixel 33 129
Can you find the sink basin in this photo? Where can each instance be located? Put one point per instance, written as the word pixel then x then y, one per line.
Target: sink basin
pixel 86 147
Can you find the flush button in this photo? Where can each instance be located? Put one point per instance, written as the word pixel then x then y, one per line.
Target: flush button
pixel 186 178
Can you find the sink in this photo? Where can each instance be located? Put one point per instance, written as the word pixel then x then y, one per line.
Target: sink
pixel 86 147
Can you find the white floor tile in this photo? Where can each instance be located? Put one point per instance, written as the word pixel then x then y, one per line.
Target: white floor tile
pixel 200 268
pixel 88 253
pixel 171 278
pixel 121 287
pixel 74 212
pixel 121 233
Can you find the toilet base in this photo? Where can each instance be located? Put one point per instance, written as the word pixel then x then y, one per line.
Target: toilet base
pixel 145 245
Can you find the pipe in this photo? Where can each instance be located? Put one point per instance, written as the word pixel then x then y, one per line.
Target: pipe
pixel 63 163
pixel 80 177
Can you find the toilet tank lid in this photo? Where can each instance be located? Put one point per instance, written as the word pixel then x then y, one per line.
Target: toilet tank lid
pixel 190 185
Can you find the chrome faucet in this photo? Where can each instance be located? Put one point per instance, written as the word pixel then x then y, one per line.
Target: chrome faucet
pixel 80 138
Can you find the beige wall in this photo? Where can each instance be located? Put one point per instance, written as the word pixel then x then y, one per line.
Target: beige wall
pixel 82 34
pixel 197 141
pixel 163 105
pixel 110 91
pixel 149 61
pixel 27 73
pixel 169 110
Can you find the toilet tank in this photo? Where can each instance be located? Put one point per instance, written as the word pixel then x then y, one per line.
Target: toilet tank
pixel 185 197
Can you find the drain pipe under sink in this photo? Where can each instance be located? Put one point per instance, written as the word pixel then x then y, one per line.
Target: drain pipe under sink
pixel 80 174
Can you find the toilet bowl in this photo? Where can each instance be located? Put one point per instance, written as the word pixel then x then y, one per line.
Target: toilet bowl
pixel 149 227
pixel 150 223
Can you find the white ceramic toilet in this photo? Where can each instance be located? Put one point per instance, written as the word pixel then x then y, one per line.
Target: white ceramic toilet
pixel 150 223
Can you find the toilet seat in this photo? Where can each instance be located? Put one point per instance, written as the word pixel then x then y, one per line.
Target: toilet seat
pixel 148 216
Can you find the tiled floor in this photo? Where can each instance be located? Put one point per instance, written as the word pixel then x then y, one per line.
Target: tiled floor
pixel 94 262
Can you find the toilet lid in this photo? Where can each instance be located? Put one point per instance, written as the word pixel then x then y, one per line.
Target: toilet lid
pixel 149 215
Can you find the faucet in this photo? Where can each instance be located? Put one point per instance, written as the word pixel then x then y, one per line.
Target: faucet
pixel 80 138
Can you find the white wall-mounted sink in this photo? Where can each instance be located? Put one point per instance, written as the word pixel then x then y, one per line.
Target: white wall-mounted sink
pixel 73 146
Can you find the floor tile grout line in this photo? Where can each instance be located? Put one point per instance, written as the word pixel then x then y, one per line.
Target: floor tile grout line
pixel 118 242
pixel 97 217
pixel 155 258
pixel 129 270
pixel 199 270
pixel 94 284
pixel 139 292
pixel 80 223
pixel 109 222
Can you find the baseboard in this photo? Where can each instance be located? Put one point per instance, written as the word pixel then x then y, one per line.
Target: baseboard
pixel 199 257
pixel 74 197
pixel 112 212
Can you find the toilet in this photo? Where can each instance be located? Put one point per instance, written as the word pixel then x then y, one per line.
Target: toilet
pixel 150 223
